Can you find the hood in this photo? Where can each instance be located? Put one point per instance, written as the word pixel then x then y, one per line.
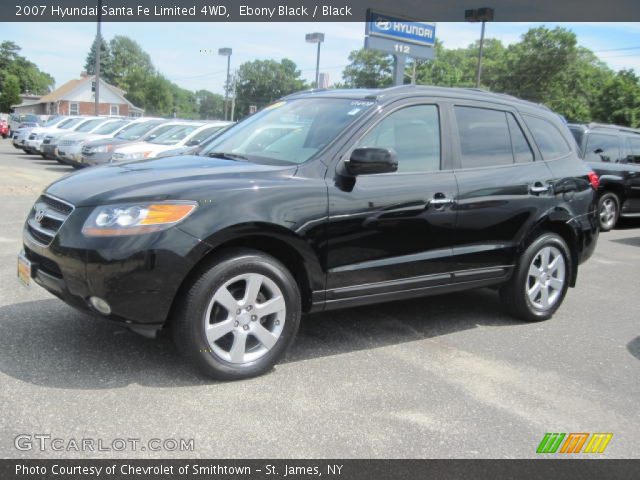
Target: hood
pixel 183 178
pixel 96 142
pixel 144 147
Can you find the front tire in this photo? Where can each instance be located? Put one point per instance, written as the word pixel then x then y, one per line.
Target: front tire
pixel 608 211
pixel 239 316
pixel 540 281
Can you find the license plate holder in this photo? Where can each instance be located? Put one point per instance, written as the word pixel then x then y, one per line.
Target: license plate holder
pixel 24 270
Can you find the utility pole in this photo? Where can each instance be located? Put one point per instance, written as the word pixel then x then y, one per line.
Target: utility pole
pixel 233 98
pixel 483 15
pixel 318 38
pixel 97 68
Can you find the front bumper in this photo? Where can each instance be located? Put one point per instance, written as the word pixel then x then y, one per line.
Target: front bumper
pixel 49 150
pixel 138 276
pixel 71 154
pixel 34 144
pixel 98 158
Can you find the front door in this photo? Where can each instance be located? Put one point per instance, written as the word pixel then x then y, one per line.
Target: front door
pixel 393 231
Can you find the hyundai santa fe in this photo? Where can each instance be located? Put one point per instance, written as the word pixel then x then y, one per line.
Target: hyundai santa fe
pixel 323 200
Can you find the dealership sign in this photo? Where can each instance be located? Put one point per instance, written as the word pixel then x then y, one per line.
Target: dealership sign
pixel 398 29
pixel 401 37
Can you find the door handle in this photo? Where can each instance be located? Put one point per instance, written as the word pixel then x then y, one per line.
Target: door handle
pixel 539 188
pixel 439 202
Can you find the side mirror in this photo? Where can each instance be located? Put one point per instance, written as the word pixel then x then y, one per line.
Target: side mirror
pixel 370 160
pixel 193 143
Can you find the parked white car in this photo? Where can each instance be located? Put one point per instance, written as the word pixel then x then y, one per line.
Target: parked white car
pixel 70 144
pixel 55 125
pixel 185 133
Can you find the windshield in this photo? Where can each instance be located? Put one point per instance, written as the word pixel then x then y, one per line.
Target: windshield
pixel 111 127
pixel 174 135
pixel 89 125
pixel 289 131
pixel 203 135
pixel 136 130
pixel 52 121
pixel 31 118
pixel 71 123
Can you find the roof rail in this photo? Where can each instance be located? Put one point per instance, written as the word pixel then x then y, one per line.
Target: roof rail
pixel 614 127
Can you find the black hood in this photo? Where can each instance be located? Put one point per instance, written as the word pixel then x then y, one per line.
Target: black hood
pixel 184 178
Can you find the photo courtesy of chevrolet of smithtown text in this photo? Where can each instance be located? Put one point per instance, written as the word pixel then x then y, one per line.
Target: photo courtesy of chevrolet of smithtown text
pixel 348 239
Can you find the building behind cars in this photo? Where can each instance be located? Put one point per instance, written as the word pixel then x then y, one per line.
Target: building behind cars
pixel 77 97
pixel 613 152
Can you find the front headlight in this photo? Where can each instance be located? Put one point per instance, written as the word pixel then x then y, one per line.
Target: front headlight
pixel 101 149
pixel 135 155
pixel 134 219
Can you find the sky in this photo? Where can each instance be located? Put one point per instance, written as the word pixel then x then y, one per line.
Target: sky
pixel 186 53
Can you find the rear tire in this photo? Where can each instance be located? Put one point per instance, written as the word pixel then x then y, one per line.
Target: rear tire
pixel 608 211
pixel 540 281
pixel 239 315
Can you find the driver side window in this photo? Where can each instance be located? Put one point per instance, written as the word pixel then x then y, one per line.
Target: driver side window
pixel 413 133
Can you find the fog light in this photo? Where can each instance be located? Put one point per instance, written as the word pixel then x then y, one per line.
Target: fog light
pixel 100 305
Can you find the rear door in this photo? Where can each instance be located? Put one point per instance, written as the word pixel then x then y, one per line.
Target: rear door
pixel 504 187
pixel 393 231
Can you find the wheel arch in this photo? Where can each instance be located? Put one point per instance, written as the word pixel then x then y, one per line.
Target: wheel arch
pixel 293 251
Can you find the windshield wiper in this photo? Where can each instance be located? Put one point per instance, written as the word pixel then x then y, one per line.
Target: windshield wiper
pixel 227 156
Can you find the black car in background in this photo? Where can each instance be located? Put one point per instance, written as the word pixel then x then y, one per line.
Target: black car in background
pixel 323 200
pixel 613 152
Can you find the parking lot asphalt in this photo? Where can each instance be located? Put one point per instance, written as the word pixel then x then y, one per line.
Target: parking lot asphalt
pixel 440 377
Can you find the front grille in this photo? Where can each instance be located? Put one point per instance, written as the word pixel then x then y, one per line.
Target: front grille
pixel 66 143
pixel 46 217
pixel 117 156
pixel 32 136
pixel 47 140
pixel 44 264
pixel 86 150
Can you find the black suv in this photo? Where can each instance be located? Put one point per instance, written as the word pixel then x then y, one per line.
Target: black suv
pixel 613 152
pixel 323 200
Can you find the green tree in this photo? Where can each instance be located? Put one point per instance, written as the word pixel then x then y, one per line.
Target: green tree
pixel 106 60
pixel 210 105
pixel 368 69
pixel 128 60
pixel 30 78
pixel 158 96
pixel 619 101
pixel 10 94
pixel 262 81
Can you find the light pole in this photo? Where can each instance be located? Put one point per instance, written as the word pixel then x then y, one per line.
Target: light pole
pixel 226 52
pixel 97 67
pixel 483 15
pixel 318 38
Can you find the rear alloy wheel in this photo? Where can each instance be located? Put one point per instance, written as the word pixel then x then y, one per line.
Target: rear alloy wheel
pixel 540 281
pixel 608 211
pixel 239 315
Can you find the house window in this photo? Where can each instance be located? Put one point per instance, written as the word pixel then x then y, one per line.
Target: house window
pixel 115 110
pixel 74 109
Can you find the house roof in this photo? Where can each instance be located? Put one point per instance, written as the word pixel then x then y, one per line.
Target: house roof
pixel 61 92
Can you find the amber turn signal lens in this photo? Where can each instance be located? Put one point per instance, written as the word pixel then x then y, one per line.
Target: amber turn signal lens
pixel 166 213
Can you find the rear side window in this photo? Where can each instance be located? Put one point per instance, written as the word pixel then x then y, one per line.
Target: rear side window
pixel 484 137
pixel 413 133
pixel 548 138
pixel 521 148
pixel 602 148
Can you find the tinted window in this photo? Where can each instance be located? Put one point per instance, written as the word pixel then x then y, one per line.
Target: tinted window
pixel 602 148
pixel 549 139
pixel 633 147
pixel 521 148
pixel 413 133
pixel 484 137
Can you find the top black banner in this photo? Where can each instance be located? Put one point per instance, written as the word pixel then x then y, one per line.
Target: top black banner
pixel 312 10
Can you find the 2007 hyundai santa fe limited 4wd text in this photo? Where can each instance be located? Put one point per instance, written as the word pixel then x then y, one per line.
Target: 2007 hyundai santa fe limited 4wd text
pixel 323 200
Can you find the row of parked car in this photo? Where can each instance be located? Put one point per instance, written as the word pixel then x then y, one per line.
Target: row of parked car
pixel 83 141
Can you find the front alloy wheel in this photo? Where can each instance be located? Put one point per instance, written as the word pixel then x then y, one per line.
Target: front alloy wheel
pixel 245 318
pixel 238 315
